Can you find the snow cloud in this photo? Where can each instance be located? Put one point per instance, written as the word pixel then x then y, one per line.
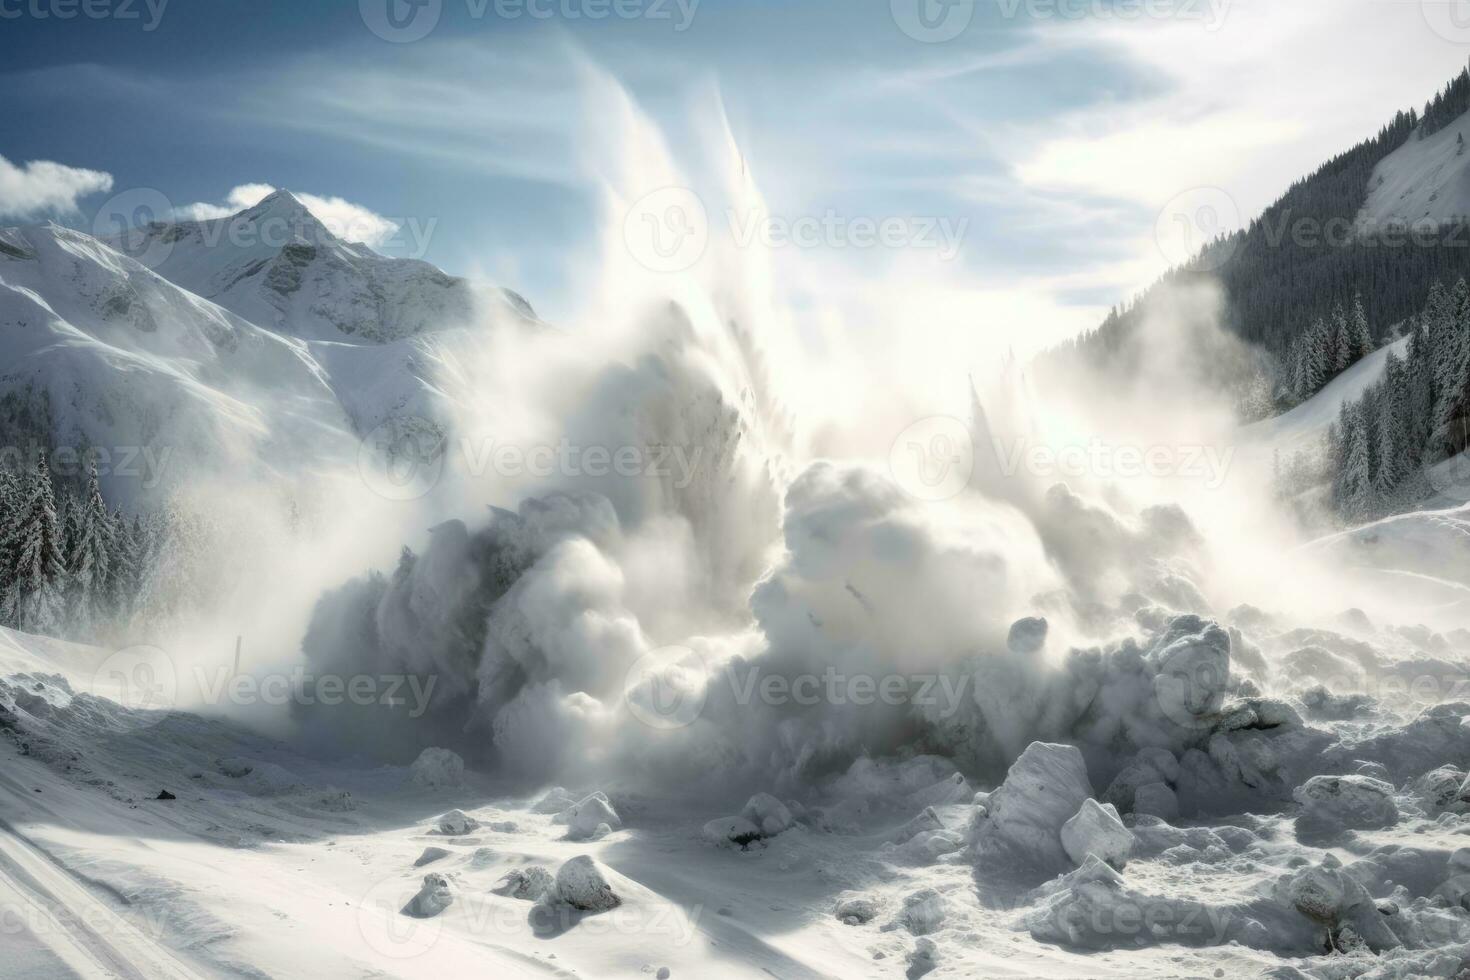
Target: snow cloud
pixel 43 186
pixel 348 221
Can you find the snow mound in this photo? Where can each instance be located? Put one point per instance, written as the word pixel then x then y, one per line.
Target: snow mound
pixel 430 855
pixel 1042 790
pixel 437 768
pixel 581 884
pixel 1097 829
pixel 584 820
pixel 856 909
pixel 769 814
pixel 923 912
pixel 456 823
pixel 555 801
pixel 529 884
pixel 434 897
pixel 1335 803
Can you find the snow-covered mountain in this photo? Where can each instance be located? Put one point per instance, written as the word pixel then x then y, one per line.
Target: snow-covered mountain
pixel 253 342
pixel 275 264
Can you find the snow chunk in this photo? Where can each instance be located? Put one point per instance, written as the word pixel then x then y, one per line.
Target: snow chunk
pixel 1042 790
pixel 456 823
pixel 530 884
pixel 855 908
pixel 923 912
pixel 926 822
pixel 434 897
pixel 1097 829
pixel 581 884
pixel 1027 636
pixel 1193 674
pixel 768 813
pixel 430 855
pixel 437 769
pixel 584 818
pixel 1334 803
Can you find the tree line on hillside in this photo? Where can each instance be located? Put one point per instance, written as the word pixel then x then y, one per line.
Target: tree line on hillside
pixel 1416 415
pixel 1290 268
pixel 72 568
pixel 1325 350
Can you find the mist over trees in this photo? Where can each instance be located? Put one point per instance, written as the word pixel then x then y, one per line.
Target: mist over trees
pixel 72 568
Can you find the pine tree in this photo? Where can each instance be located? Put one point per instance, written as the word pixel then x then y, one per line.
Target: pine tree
pixel 38 570
pixel 1357 471
pixel 1393 432
pixel 1314 372
pixel 1339 344
pixel 91 557
pixel 1360 337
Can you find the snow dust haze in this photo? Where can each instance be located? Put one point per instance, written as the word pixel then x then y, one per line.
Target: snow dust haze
pixel 712 611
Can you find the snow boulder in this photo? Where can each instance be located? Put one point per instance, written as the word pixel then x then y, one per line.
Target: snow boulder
pixel 434 897
pixel 855 908
pixel 1336 803
pixel 736 832
pixel 926 822
pixel 456 823
pixel 583 819
pixel 923 912
pixel 769 814
pixel 581 884
pixel 430 855
pixel 437 769
pixel 1042 790
pixel 1027 636
pixel 529 884
pixel 1193 674
pixel 1097 829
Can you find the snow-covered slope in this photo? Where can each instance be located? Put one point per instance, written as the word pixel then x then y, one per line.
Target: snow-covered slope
pixel 1426 178
pixel 1304 426
pixel 98 351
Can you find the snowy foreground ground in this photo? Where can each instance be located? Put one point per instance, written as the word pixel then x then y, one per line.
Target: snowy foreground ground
pixel 267 863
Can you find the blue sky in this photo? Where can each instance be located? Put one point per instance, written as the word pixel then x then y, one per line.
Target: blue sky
pixel 1055 131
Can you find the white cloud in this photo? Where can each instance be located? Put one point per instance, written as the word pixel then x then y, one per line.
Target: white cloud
pixel 43 186
pixel 348 221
